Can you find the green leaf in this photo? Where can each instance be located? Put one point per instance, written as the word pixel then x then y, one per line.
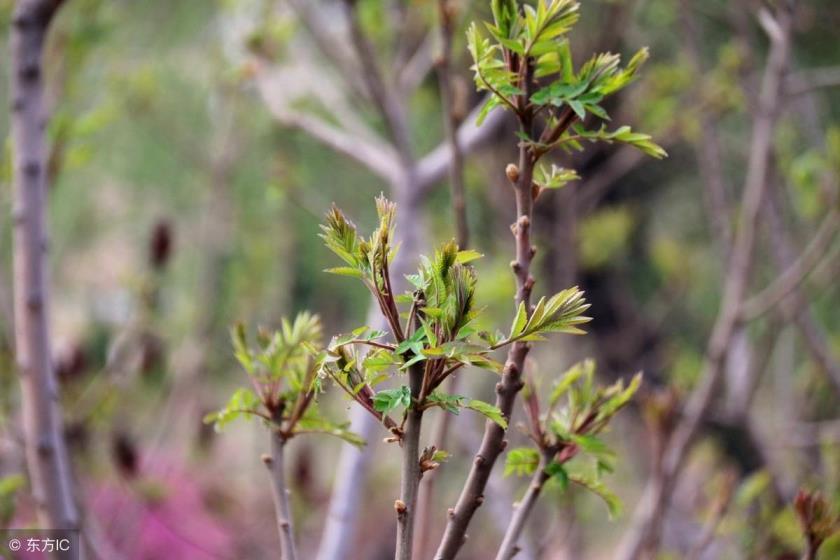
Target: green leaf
pixel 345 271
pixel 560 314
pixel 466 256
pixel 449 403
pixel 569 378
pixel 598 488
pixel 488 410
pixel 519 321
pixel 441 456
pixel 558 473
pixel 243 402
pixel 556 178
pixel 389 399
pixel 522 461
pixel 313 422
pixel 593 445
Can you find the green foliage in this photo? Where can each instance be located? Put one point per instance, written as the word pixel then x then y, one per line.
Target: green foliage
pixel 367 258
pixel 522 461
pixel 454 404
pixel 243 403
pixel 622 135
pixel 283 371
pixel 9 487
pixel 439 315
pixel 390 399
pixel 572 431
pixel 529 44
pixel 554 178
pixel 561 313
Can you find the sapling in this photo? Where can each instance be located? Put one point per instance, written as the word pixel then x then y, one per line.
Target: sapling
pixel 526 65
pixel 563 434
pixel 283 374
pixel 433 335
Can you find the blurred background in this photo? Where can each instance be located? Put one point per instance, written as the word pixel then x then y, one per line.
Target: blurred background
pixel 194 149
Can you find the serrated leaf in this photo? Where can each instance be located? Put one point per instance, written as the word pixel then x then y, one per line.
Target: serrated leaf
pixel 519 321
pixel 522 461
pixel 488 410
pixel 558 473
pixel 243 402
pixel 467 255
pixel 597 487
pixel 389 399
pixel 345 271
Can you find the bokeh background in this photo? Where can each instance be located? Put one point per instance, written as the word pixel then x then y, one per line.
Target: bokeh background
pixel 186 193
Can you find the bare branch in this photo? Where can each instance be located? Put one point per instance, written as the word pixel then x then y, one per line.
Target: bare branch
pixel 276 467
pixel 379 158
pixel 47 457
pixel 796 307
pixel 333 50
pixel 806 81
pixel 650 513
pixel 386 102
pixel 434 165
pixel 446 13
pixel 708 150
pixel 493 442
pixel 417 67
pixel 819 248
pixel 509 547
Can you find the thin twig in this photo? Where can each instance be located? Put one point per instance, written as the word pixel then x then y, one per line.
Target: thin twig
pixel 276 468
pixel 509 548
pixel 493 442
pixel 649 516
pixel 819 248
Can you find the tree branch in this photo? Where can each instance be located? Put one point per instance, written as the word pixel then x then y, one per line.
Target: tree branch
pixel 509 548
pixel 335 52
pixel 406 506
pixel 649 515
pixel 276 468
pixel 378 157
pixel 47 457
pixel 446 13
pixel 446 17
pixel 493 442
pixel 806 81
pixel 434 165
pixel 389 107
pixel 819 248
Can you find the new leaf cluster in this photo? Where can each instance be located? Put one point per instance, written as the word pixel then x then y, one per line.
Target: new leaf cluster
pixel 526 64
pixel 432 327
pixel 569 430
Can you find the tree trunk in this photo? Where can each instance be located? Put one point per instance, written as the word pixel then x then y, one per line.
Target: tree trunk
pixel 47 458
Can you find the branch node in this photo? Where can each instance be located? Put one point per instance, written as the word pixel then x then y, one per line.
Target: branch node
pixel 512 172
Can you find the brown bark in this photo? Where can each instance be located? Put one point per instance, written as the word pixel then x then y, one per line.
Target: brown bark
pixel 47 457
pixel 493 442
pixel 406 506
